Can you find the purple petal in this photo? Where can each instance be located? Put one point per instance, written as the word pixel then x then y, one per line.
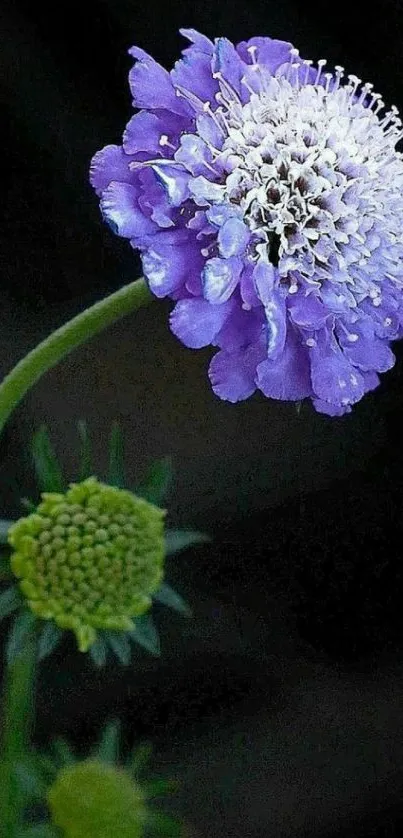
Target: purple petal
pixel 227 62
pixel 334 378
pixel 119 206
pixel 241 329
pixel 233 238
pixel 232 374
pixel 268 51
pixel 193 73
pixel 152 87
pixel 248 288
pixel 288 377
pixel 205 191
pixel 166 267
pixel 307 311
pixel 220 278
pixel 175 181
pixel 365 350
pixel 111 163
pixel 201 42
pixel 194 154
pixel 196 322
pixel 264 277
pixel 144 131
pixel 331 409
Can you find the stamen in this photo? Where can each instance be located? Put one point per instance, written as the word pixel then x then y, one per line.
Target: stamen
pixel 339 76
pixel 328 77
pixel 163 141
pixel 321 64
pixel 227 87
pixel 252 52
pixel 366 89
pixel 307 64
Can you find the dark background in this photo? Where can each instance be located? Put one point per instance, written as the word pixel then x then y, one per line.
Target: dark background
pixel 279 707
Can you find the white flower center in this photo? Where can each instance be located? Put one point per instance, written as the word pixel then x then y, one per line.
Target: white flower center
pixel 315 170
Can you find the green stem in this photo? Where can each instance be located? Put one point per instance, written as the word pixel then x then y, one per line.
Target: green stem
pixel 17 713
pixel 61 342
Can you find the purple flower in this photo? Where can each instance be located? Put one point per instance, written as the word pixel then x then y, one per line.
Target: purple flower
pixel 266 199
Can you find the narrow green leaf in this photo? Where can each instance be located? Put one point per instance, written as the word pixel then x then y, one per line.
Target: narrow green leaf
pixel 63 752
pixel 29 779
pixel 146 635
pixel 120 646
pixel 28 504
pixel 164 825
pixel 167 596
pixel 157 481
pixel 98 652
pixel 108 748
pixel 159 787
pixel 177 540
pixel 22 626
pixel 139 759
pixel 85 452
pixel 116 471
pixel 47 468
pixel 4 528
pixel 39 830
pixel 5 568
pixel 48 640
pixel 10 600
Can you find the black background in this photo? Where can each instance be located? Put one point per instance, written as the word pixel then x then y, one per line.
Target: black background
pixel 280 707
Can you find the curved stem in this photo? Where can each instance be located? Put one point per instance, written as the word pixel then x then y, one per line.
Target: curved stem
pixel 61 342
pixel 17 720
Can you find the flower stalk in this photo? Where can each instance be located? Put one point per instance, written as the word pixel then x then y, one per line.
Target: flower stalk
pixel 18 711
pixel 61 342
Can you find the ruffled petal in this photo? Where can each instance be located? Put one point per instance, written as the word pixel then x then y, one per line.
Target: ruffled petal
pixel 151 133
pixel 267 51
pixel 220 278
pixel 334 378
pixel 196 322
pixel 288 377
pixel 111 163
pixel 151 85
pixel 119 206
pixel 232 374
pixel 233 238
pixel 166 268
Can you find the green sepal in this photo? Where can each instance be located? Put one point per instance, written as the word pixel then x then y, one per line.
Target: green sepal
pixel 30 780
pixel 157 482
pixel 177 540
pixel 146 635
pixel 119 643
pixel 49 637
pixel 23 625
pixel 10 600
pixel 168 596
pixel 63 753
pixel 164 825
pixel 139 758
pixel 159 787
pixel 4 528
pixel 39 830
pixel 28 505
pixel 47 468
pixel 85 452
pixel 108 748
pixel 98 652
pixel 116 470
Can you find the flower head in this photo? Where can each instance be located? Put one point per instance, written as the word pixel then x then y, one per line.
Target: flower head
pixel 90 558
pixel 265 197
pixel 90 799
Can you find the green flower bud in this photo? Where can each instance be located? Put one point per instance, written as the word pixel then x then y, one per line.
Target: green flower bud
pixel 94 800
pixel 89 557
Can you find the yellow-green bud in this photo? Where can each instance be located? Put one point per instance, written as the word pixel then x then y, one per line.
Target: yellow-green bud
pixel 90 558
pixel 93 800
